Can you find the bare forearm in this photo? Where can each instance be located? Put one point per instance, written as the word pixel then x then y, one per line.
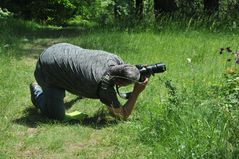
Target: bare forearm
pixel 125 111
pixel 129 105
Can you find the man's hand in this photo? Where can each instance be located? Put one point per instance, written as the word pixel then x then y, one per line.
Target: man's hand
pixel 139 87
pixel 125 111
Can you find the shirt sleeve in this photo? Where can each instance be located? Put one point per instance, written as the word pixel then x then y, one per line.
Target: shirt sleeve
pixel 107 94
pixel 115 61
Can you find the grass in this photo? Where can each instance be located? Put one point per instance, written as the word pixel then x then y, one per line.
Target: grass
pixel 183 113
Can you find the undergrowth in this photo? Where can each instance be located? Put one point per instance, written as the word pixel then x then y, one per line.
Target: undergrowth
pixel 198 121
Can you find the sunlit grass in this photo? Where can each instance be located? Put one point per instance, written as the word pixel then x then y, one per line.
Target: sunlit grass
pixel 187 123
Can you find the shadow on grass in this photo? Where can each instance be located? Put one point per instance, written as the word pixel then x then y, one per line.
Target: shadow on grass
pixel 32 118
pixel 21 28
pixel 21 38
pixel 57 32
pixel 32 43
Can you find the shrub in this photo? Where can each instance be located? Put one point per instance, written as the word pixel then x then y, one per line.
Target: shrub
pixel 4 13
pixel 50 11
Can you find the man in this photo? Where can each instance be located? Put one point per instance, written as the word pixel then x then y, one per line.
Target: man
pixel 86 73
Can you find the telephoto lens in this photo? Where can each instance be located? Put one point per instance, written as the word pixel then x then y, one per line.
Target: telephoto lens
pixel 145 71
pixel 148 70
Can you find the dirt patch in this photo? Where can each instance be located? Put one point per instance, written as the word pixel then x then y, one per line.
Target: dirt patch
pixel 32 49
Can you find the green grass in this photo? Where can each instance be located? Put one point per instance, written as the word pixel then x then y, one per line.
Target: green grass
pixel 183 113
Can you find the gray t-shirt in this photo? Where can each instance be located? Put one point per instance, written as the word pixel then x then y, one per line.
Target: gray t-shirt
pixel 80 71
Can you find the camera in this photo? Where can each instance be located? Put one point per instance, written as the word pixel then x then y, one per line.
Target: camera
pixel 148 70
pixel 145 71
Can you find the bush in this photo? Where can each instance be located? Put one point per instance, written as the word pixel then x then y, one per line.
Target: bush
pixel 4 13
pixel 49 11
pixel 198 121
pixel 52 11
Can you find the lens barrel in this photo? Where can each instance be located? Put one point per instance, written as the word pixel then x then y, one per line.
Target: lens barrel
pixel 146 71
pixel 156 68
pixel 152 69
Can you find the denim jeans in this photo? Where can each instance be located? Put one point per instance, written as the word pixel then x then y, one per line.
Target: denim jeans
pixel 49 99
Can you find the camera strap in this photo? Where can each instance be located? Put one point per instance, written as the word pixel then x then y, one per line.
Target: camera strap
pixel 105 83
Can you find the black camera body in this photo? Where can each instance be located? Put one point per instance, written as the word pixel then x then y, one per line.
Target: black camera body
pixel 145 71
pixel 148 70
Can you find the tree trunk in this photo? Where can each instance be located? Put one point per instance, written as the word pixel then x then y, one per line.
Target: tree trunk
pixel 139 9
pixel 211 6
pixel 161 6
pixel 116 10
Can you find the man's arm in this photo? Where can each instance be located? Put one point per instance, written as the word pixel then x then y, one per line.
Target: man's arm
pixel 125 111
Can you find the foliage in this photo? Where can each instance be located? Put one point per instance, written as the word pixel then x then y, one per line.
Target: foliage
pixel 53 11
pixel 92 12
pixel 50 11
pixel 202 115
pixel 4 13
pixel 120 13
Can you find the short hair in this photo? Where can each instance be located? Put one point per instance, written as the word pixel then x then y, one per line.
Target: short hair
pixel 125 72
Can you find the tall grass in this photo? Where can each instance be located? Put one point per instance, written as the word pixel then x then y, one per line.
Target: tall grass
pixel 190 111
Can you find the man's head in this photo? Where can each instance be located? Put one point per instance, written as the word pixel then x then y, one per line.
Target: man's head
pixel 125 74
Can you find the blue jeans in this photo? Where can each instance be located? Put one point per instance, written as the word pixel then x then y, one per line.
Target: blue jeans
pixel 49 99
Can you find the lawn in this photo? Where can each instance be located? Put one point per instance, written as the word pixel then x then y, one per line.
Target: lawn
pixel 190 111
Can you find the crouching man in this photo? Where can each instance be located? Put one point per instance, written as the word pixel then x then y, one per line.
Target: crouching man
pixel 86 73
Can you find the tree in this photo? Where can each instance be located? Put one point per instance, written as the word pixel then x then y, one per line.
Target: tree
pixel 20 7
pixel 164 6
pixel 123 11
pixel 211 6
pixel 189 7
pixel 48 11
pixel 139 9
pixel 117 9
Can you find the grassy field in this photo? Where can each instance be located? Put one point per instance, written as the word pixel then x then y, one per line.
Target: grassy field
pixel 190 111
